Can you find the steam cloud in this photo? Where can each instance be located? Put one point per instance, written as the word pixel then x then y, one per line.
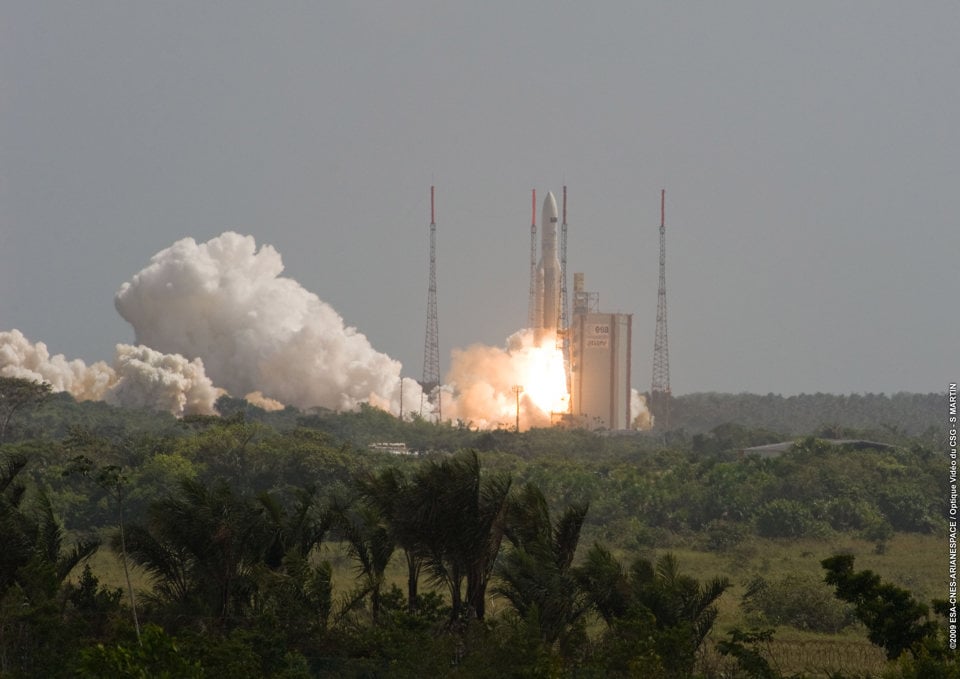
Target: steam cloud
pixel 226 303
pixel 139 378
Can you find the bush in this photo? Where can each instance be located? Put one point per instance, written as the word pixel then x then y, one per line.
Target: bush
pixel 800 601
pixel 785 519
pixel 848 514
pixel 723 535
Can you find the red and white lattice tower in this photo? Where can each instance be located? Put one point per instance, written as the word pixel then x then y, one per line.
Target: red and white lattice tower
pixel 563 323
pixel 532 320
pixel 431 345
pixel 660 385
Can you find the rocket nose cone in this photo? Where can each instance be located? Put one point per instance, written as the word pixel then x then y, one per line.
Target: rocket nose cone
pixel 550 208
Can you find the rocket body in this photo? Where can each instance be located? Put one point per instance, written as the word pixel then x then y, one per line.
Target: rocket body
pixel 548 270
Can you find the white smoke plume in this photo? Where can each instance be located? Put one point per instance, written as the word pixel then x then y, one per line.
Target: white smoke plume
pixel 22 359
pixel 139 378
pixel 149 379
pixel 640 414
pixel 225 302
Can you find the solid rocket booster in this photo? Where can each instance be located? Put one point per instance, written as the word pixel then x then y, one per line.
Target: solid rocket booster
pixel 548 271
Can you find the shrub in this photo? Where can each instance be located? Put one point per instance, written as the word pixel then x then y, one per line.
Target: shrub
pixel 800 601
pixel 723 535
pixel 785 519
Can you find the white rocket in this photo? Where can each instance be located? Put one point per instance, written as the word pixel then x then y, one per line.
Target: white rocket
pixel 548 270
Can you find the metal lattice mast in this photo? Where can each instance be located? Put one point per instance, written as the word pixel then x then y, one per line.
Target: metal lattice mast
pixel 532 320
pixel 431 343
pixel 563 329
pixel 660 386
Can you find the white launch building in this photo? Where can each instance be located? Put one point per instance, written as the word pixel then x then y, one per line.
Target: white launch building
pixel 599 364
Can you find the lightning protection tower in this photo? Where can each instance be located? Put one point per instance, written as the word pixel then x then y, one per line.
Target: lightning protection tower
pixel 660 385
pixel 532 320
pixel 563 323
pixel 431 345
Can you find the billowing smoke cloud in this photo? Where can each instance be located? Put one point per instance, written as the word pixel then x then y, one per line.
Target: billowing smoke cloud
pixel 225 302
pixel 139 378
pixel 149 379
pixel 25 360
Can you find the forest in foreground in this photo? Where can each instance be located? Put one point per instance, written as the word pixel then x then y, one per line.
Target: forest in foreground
pixel 293 544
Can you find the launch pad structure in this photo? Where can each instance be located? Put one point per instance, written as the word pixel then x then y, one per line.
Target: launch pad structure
pixel 596 346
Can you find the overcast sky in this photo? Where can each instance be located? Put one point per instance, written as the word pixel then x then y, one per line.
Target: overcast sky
pixel 810 152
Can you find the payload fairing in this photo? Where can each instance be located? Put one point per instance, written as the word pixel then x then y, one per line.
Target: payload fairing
pixel 548 270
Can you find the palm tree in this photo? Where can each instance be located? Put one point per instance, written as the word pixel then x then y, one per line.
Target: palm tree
pixel 456 521
pixel 202 548
pixel 369 542
pixel 535 575
pixel 680 609
pixel 386 492
pixel 293 590
pixel 32 537
pixel 294 532
pixel 33 568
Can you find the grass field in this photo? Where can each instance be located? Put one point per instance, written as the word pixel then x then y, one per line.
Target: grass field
pixel 914 562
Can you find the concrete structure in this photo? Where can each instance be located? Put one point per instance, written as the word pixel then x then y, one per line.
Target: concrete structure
pixel 599 365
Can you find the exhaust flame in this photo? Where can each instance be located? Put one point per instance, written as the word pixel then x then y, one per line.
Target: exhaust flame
pixel 483 379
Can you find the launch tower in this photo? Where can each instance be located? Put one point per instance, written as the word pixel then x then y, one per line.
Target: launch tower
pixel 532 302
pixel 563 325
pixel 660 385
pixel 431 345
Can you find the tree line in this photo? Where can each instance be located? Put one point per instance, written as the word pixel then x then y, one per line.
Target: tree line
pixel 233 518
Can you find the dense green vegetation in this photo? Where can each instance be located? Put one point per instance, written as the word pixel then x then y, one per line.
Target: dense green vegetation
pixel 285 545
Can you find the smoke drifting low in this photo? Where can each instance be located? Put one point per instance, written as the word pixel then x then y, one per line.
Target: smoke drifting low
pixel 139 377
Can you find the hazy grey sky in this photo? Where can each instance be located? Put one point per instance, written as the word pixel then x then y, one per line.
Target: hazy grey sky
pixel 810 152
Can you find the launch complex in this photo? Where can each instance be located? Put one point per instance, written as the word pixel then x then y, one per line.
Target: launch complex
pixel 571 366
pixel 596 345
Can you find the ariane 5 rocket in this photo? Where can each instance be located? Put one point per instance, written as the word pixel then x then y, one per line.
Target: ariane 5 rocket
pixel 547 309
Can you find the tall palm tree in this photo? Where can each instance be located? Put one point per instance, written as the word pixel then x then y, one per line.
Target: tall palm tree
pixel 370 543
pixel 291 587
pixel 202 547
pixel 294 531
pixel 32 536
pixel 681 609
pixel 457 519
pixel 386 492
pixel 536 573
